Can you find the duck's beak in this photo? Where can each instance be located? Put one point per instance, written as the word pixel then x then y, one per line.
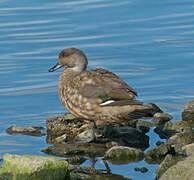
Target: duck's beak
pixel 57 66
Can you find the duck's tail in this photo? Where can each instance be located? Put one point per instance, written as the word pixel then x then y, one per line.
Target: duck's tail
pixel 146 110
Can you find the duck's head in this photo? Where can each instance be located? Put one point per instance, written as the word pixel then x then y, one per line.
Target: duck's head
pixel 71 58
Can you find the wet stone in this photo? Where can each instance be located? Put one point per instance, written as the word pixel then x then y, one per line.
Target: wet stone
pixel 87 149
pixel 179 140
pixel 67 127
pixel 188 113
pixel 157 154
pixel 111 144
pixel 188 149
pixel 161 118
pixel 158 143
pixel 76 160
pixel 181 170
pixel 165 131
pixel 169 129
pixel 169 161
pixel 28 130
pixel 123 155
pixel 142 169
pixel 154 107
pixel 180 126
pixel 127 136
pixel 143 126
pixel 26 167
pixel 89 173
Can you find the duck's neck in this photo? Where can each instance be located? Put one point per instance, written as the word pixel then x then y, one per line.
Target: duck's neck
pixel 69 73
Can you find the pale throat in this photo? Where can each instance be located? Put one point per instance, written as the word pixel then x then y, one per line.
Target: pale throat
pixel 77 69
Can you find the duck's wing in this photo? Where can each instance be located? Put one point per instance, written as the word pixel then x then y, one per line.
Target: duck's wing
pixel 103 84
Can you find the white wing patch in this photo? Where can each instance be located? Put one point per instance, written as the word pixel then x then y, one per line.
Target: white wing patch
pixel 106 102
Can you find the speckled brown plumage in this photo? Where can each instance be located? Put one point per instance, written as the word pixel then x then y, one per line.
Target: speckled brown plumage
pixel 84 92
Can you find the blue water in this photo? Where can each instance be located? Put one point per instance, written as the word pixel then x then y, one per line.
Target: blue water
pixel 149 44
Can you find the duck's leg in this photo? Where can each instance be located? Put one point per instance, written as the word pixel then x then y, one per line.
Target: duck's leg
pixel 92 136
pixel 93 131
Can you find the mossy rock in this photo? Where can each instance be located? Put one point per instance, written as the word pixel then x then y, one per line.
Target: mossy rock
pixel 22 167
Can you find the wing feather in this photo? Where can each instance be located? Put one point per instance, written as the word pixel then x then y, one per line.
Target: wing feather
pixel 101 82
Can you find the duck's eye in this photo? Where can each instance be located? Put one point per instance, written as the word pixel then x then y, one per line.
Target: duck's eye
pixel 65 55
pixel 62 54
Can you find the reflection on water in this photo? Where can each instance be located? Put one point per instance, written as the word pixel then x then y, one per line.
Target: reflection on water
pixel 149 44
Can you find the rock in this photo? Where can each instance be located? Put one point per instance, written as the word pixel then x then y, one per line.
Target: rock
pixel 76 160
pixel 179 140
pixel 169 161
pixel 89 173
pixel 22 167
pixel 87 149
pixel 127 136
pixel 157 154
pixel 66 126
pixel 154 107
pixel 28 130
pixel 111 144
pixel 169 129
pixel 78 172
pixel 161 118
pixel 188 113
pixel 61 139
pixel 143 126
pixel 180 126
pixel 188 149
pixel 142 169
pixel 163 132
pixel 86 134
pixel 68 129
pixel 182 170
pixel 123 155
pixel 158 143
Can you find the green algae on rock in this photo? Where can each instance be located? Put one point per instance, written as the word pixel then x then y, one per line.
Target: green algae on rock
pixel 22 167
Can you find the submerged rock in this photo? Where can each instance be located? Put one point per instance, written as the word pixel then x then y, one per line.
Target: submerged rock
pixel 22 167
pixel 142 169
pixel 123 155
pixel 87 149
pixel 28 130
pixel 182 170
